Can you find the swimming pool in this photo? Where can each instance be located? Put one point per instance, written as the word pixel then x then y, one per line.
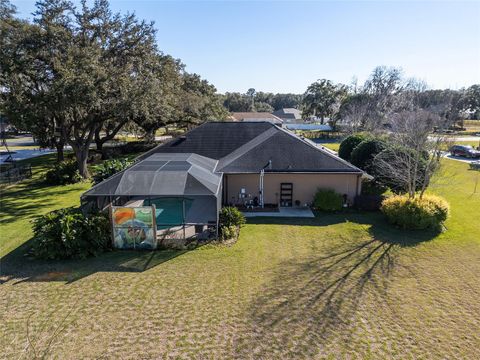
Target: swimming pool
pixel 169 211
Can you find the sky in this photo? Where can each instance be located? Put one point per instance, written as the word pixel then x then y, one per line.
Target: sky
pixel 284 46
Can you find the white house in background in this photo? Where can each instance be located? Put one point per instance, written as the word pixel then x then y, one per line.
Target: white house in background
pixel 256 117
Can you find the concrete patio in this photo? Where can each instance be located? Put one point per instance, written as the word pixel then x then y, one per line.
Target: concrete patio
pixel 283 212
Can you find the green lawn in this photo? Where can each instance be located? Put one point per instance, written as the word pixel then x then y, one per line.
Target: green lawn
pixel 331 146
pixel 20 203
pixel 337 286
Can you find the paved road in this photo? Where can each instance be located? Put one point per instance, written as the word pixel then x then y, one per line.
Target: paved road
pixel 467 138
pixel 163 138
pixel 460 138
pixel 24 154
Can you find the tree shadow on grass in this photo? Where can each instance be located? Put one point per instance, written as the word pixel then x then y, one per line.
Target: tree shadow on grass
pixel 311 305
pixel 20 202
pixel 379 228
pixel 18 267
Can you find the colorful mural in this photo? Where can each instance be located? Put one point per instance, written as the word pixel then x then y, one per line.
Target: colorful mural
pixel 133 228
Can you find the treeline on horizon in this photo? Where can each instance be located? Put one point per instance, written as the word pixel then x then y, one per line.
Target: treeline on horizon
pixel 259 101
pixel 78 75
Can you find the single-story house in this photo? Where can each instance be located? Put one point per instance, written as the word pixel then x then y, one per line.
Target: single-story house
pixel 246 164
pixel 256 117
pixel 289 115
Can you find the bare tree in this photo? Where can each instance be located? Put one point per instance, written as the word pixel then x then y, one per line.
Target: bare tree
pixel 382 87
pixel 368 107
pixel 353 113
pixel 413 157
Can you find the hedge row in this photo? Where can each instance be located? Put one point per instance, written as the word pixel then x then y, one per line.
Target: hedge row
pixel 428 212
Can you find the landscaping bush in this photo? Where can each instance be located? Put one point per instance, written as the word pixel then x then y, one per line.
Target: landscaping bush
pixel 67 233
pixel 228 232
pixel 373 187
pixel 428 212
pixel 134 147
pixel 371 202
pixel 364 153
pixel 63 173
pixel 231 216
pixel 327 200
pixel 231 219
pixel 348 144
pixel 109 168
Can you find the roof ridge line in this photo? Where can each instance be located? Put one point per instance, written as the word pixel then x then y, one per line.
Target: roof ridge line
pixel 242 150
pixel 313 145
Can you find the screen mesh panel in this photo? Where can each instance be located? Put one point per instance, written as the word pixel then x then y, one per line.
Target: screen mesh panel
pixel 163 174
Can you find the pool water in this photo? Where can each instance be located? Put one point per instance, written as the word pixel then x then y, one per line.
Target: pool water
pixel 169 211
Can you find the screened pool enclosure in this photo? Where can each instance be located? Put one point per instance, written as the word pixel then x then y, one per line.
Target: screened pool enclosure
pixel 183 190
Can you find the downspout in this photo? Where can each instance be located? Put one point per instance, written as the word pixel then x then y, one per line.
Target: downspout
pixel 183 215
pixel 262 174
pixel 357 185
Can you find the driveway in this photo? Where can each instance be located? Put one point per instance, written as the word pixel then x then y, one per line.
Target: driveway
pixel 459 158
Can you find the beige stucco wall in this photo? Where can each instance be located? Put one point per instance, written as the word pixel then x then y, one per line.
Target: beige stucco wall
pixel 304 186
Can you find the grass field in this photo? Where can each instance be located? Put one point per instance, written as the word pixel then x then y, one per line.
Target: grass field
pixel 331 146
pixel 472 125
pixel 338 286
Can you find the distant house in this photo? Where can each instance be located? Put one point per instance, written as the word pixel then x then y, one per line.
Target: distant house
pixel 289 115
pixel 256 117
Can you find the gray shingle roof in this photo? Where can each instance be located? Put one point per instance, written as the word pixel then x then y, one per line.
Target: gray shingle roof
pixel 288 113
pixel 248 147
pixel 285 152
pixel 213 139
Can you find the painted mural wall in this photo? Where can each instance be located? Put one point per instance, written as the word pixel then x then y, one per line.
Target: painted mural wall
pixel 134 228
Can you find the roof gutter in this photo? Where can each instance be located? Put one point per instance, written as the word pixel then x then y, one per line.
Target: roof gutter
pixel 299 172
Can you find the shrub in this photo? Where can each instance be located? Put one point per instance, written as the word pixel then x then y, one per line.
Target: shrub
pixel 373 187
pixel 348 144
pixel 133 147
pixel 429 212
pixel 327 200
pixel 231 219
pixel 364 153
pixel 63 173
pixel 231 216
pixel 371 202
pixel 67 233
pixel 109 168
pixel 228 232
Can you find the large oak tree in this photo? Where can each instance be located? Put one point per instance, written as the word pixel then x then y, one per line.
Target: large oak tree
pixel 85 68
pixel 322 99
